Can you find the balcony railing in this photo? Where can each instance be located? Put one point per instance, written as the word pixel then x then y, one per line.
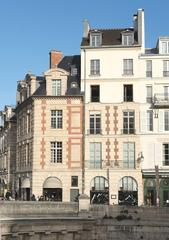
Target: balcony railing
pixel 161 99
pixel 128 131
pixel 94 131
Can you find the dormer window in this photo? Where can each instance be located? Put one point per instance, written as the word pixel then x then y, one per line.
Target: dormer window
pixel 127 38
pixel 73 85
pixel 73 71
pixel 165 47
pixel 95 39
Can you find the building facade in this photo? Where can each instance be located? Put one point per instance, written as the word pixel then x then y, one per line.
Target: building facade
pixel 7 150
pixel 49 132
pixel 97 123
pixel 126 115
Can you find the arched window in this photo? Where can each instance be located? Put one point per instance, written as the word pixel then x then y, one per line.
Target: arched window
pixel 99 184
pixel 128 184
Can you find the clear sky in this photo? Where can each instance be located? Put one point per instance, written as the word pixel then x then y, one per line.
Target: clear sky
pixel 29 29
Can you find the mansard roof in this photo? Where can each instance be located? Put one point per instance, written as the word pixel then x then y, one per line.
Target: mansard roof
pixel 109 36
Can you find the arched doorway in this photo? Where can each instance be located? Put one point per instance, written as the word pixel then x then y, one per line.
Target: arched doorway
pixel 127 194
pixel 52 189
pixel 164 191
pixel 99 191
pixel 150 192
pixel 26 189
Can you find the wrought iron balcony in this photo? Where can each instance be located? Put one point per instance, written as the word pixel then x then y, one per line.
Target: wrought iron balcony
pixel 161 99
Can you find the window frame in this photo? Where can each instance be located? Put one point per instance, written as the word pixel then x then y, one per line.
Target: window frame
pixel 127 39
pixel 56 148
pixel 128 162
pixel 95 123
pixel 95 39
pixel 128 120
pixel 56 87
pixel 56 119
pixel 127 66
pixel 94 98
pixel 165 68
pixel 165 159
pixel 94 67
pixel 149 68
pixel 95 159
pixel 126 96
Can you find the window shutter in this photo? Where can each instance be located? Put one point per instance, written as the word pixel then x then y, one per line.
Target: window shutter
pixel 143 121
pixel 161 121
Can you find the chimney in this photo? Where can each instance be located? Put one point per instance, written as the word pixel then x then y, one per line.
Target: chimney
pixel 140 28
pixel 86 28
pixel 55 58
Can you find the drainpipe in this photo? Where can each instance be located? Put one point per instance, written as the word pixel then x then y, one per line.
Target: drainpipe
pixel 84 108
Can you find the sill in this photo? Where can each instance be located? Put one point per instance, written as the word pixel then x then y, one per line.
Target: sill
pixel 94 75
pixel 127 75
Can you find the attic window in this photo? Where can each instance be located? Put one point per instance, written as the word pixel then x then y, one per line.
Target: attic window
pixel 127 39
pixel 73 85
pixel 95 40
pixel 73 71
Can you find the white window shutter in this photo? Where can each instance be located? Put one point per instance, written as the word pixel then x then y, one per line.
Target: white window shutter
pixel 161 121
pixel 143 121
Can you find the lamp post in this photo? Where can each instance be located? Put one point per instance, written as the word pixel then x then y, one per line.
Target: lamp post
pixel 157 185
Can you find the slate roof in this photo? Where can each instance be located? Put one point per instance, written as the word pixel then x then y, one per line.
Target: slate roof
pixel 109 36
pixel 66 63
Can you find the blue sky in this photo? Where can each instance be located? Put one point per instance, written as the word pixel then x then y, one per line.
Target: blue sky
pixel 30 29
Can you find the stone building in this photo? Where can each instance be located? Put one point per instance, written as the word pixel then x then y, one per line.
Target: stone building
pixel 126 97
pixel 49 132
pixel 7 150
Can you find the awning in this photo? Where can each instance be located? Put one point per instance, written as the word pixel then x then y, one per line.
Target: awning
pixel 52 182
pixel 25 183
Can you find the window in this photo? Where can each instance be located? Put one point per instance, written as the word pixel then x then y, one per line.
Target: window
pixel 128 122
pixel 95 40
pixel 28 122
pixel 129 155
pixel 73 70
pixel 128 39
pixel 165 68
pixel 166 154
pixel 166 93
pixel 149 68
pixel 56 152
pixel 99 184
pixel 95 155
pixel 56 87
pixel 74 181
pixel 149 120
pixel 166 120
pixel 74 194
pixel 128 66
pixel 95 93
pixel 95 123
pixel 128 93
pixel 95 67
pixel 149 94
pixel 56 118
pixel 165 47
